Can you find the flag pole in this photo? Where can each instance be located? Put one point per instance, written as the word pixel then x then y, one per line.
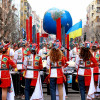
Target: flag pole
pixel 27 29
pixel 68 47
pixel 58 35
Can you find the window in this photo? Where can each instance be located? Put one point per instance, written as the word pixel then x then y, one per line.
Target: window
pixel 92 23
pixel 25 3
pixel 92 7
pixel 92 14
pixel 25 11
pixel 98 9
pixel 21 13
pixel 5 4
pixel 98 1
pixel 0 1
pixel 98 19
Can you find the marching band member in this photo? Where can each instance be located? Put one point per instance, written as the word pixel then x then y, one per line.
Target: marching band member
pixel 18 59
pixel 5 77
pixel 55 62
pixel 74 52
pixel 84 65
pixel 95 53
pixel 32 64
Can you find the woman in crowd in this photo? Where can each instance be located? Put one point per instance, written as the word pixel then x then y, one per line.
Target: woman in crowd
pixel 84 62
pixel 5 78
pixel 55 63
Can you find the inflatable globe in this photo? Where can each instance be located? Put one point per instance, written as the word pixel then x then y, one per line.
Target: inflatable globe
pixel 49 20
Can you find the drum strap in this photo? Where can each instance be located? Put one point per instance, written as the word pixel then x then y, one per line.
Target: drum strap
pixel 33 69
pixel 4 69
pixel 19 62
pixel 55 67
pixel 85 67
pixel 96 73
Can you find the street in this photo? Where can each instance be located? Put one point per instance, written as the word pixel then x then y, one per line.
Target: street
pixel 70 96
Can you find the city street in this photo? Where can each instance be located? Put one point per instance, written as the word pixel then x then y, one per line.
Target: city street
pixel 70 96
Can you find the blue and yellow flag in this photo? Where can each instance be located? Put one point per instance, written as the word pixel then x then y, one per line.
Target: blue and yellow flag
pixel 75 30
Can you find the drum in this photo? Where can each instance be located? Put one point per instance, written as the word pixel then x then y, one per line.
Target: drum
pixel 74 83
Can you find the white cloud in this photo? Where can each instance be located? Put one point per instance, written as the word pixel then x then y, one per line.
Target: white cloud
pixel 77 8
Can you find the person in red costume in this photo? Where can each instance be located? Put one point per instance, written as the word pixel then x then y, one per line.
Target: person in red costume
pixel 32 64
pixel 55 64
pixel 84 62
pixel 95 53
pixel 5 77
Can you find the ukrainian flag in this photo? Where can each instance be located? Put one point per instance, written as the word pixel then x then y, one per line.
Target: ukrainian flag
pixel 75 30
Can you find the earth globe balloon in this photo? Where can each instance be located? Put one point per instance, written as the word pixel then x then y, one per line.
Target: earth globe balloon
pixel 50 17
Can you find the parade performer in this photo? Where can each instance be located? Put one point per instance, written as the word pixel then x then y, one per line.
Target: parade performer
pixel 18 59
pixel 5 78
pixel 95 53
pixel 10 51
pixel 74 52
pixel 98 85
pixel 55 63
pixel 33 64
pixel 43 51
pixel 84 65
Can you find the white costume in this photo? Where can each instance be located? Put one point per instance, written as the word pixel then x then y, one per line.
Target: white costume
pixel 19 58
pixel 31 62
pixel 54 74
pixel 73 53
pixel 81 63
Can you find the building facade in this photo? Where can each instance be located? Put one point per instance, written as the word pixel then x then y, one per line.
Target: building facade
pixel 36 21
pixel 93 21
pixel 25 12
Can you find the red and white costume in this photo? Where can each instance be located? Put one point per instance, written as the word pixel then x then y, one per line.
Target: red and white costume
pixel 73 53
pixel 43 51
pixel 10 52
pixel 5 77
pixel 32 64
pixel 87 73
pixel 19 58
pixel 57 73
pixel 96 68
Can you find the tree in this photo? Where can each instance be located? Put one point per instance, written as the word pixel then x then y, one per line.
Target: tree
pixel 8 25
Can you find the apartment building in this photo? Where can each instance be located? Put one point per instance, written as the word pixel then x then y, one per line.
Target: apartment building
pixel 25 12
pixel 36 21
pixel 93 20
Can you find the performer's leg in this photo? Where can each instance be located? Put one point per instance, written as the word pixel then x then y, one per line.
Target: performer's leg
pixel 4 93
pixel 27 88
pixel 0 93
pixel 81 86
pixel 53 88
pixel 60 89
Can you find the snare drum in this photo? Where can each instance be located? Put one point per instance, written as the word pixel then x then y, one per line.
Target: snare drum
pixel 74 83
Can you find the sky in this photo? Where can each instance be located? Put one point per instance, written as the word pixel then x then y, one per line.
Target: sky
pixel 77 8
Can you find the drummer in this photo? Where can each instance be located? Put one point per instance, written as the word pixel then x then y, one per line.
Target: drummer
pixel 84 62
pixel 32 64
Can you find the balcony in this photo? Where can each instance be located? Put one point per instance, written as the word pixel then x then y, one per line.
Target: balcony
pixel 98 5
pixel 97 23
